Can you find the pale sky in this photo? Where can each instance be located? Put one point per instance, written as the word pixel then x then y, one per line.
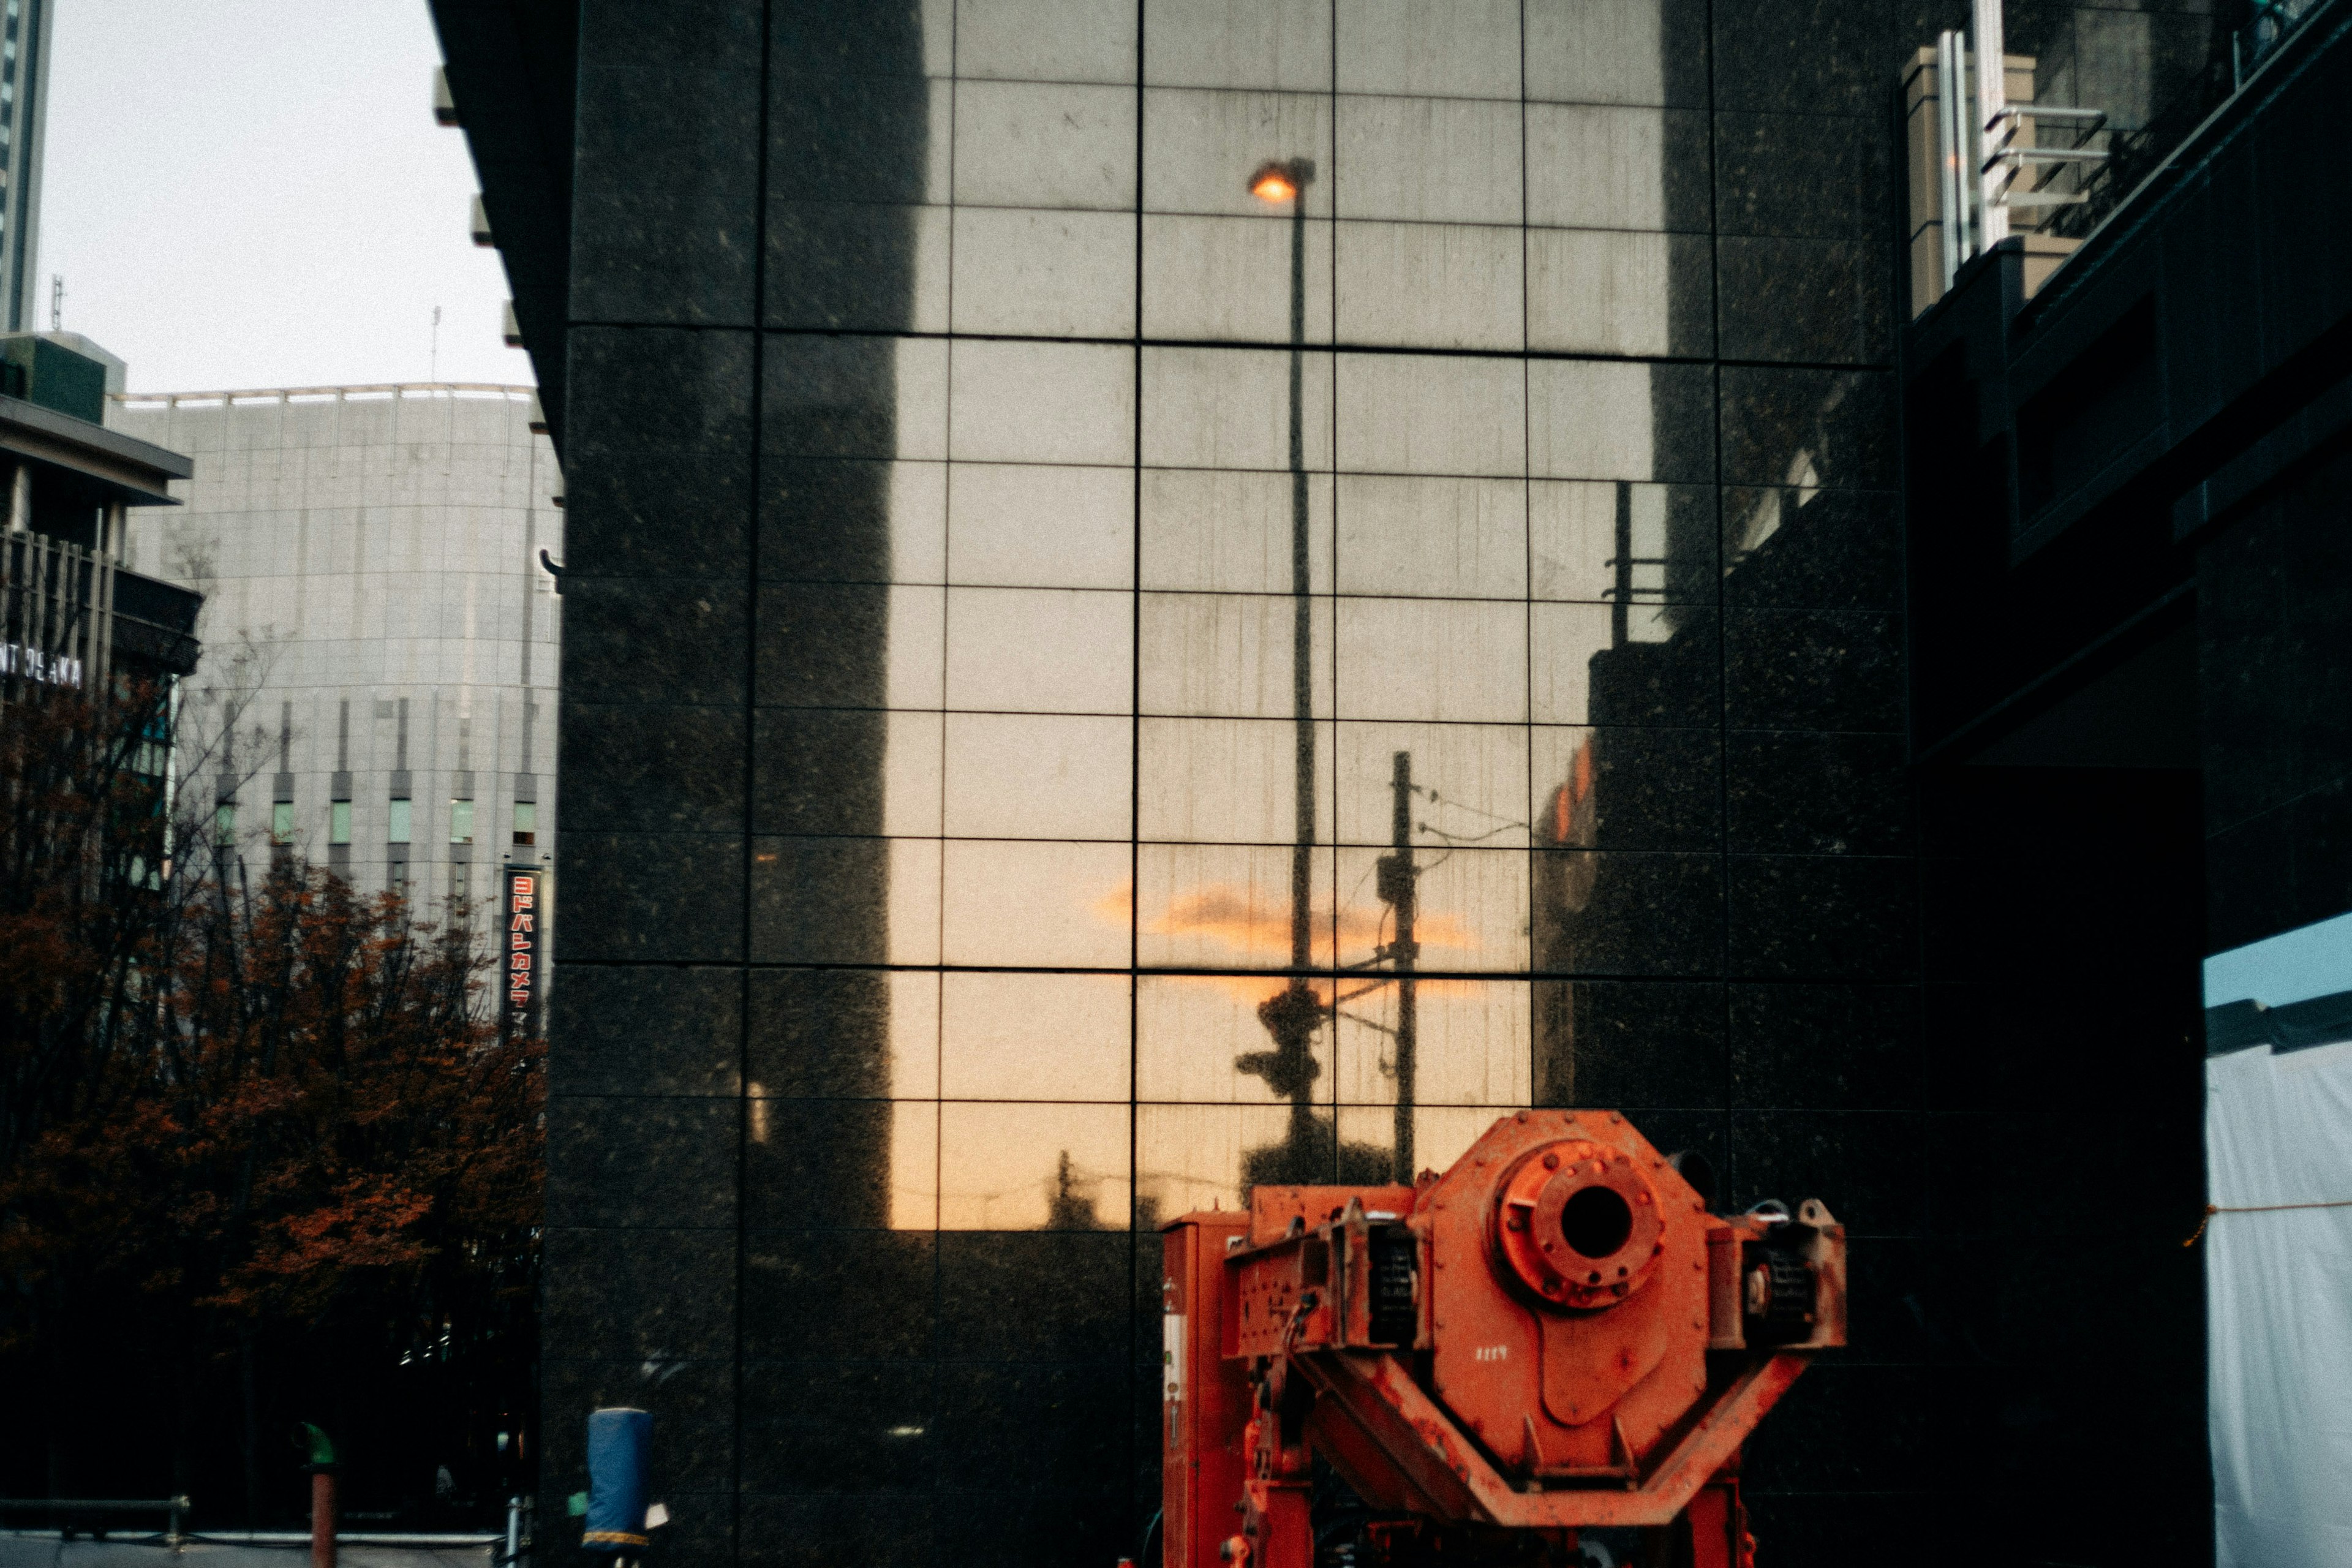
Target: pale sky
pixel 253 194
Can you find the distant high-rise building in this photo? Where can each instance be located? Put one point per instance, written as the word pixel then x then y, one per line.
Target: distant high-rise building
pixel 377 551
pixel 23 108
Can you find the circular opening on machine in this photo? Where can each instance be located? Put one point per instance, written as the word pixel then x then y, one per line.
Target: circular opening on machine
pixel 1595 1221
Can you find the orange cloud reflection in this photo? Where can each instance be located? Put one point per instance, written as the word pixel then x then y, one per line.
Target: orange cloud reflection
pixel 1235 918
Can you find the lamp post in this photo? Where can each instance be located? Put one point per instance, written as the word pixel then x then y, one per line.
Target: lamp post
pixel 1293 1014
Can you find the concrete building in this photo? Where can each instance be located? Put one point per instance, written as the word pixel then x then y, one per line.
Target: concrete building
pixel 376 602
pixel 24 29
pixel 1027 585
pixel 73 612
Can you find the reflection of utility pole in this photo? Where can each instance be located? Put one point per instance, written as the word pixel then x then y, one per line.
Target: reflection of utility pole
pixel 1396 880
pixel 1620 591
pixel 1293 1016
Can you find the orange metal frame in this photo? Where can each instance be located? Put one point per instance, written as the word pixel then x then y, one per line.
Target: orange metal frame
pixel 1555 1335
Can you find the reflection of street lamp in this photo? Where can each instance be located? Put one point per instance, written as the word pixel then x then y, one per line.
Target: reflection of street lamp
pixel 1293 1016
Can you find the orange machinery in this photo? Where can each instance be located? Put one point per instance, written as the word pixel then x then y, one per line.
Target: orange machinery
pixel 1553 1336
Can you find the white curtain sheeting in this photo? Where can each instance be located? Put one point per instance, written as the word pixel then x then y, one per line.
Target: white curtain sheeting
pixel 2278 1130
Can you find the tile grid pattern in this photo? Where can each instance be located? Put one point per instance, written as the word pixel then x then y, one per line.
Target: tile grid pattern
pixel 692 425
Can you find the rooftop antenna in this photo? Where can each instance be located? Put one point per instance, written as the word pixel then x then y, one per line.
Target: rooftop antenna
pixel 57 302
pixel 434 372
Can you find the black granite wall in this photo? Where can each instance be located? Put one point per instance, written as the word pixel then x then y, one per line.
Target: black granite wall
pixel 1730 940
pixel 2274 653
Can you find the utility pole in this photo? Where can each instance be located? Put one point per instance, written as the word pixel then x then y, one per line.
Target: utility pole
pixel 1397 879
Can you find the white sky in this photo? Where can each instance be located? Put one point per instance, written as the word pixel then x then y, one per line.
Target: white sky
pixel 253 194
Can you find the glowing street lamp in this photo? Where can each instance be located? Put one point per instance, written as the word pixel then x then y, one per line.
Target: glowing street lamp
pixel 1282 181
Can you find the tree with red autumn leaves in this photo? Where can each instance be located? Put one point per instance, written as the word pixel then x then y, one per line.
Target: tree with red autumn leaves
pixel 239 1112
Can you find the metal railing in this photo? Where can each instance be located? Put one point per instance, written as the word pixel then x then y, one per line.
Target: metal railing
pixel 375 391
pixel 77 1512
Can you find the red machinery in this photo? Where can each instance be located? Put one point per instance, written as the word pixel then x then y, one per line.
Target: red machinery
pixel 1555 1335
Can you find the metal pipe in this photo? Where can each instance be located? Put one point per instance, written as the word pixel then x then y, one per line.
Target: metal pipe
pixel 1992 104
pixel 1948 183
pixel 322 1517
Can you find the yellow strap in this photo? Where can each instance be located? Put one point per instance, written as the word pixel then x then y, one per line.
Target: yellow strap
pixel 2213 1209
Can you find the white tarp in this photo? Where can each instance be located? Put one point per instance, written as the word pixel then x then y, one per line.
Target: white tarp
pixel 2278 1130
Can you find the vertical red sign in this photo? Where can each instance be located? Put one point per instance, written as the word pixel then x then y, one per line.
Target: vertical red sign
pixel 525 949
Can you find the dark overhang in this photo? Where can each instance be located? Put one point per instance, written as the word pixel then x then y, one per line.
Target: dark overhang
pixel 511 66
pixel 111 467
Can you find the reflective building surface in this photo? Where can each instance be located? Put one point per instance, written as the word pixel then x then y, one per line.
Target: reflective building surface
pixel 380 694
pixel 1168 596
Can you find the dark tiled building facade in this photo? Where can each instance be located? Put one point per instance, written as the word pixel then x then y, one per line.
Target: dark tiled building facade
pixel 1020 577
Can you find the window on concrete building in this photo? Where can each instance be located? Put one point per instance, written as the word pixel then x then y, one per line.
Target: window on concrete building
pixel 338 822
pixel 402 821
pixel 461 822
pixel 225 823
pixel 281 822
pixel 461 891
pixel 526 823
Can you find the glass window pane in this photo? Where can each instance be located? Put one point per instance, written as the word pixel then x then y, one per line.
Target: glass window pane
pixel 1215 906
pixel 526 821
pixel 1035 1036
pixel 1441 48
pixel 1045 905
pixel 1200 150
pixel 1603 540
pixel 1472 913
pixel 281 822
pixel 1609 51
pixel 1457 659
pixel 1050 274
pixel 1195 1034
pixel 1466 784
pixel 1030 144
pixel 1046 40
pixel 1044 402
pixel 1230 408
pixel 1592 166
pixel 1228 781
pixel 1018 526
pixel 1034 1167
pixel 461 822
pixel 401 822
pixel 1231 655
pixel 1650 664
pixel 1596 291
pixel 1471 1043
pixel 1031 650
pixel 1026 775
pixel 1430 285
pixel 1592 419
pixel 1443 538
pixel 1228 279
pixel 1428 159
pixel 1233 532
pixel 1419 414
pixel 1281 44
pixel 338 822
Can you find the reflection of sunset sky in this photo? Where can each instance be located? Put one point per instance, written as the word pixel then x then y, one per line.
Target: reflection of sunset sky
pixel 1090 763
pixel 1032 1065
